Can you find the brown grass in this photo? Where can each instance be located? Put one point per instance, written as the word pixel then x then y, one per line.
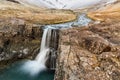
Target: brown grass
pixel 110 12
pixel 35 15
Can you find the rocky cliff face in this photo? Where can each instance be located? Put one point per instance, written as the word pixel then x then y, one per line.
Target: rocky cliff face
pixel 90 53
pixel 18 40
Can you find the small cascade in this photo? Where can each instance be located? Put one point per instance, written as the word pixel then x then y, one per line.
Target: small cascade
pixel 42 56
pixel 47 55
pixel 48 51
pixel 51 62
pixel 46 58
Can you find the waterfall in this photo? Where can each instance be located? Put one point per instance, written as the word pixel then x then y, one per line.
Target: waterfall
pixel 47 55
pixel 41 57
pixel 51 61
pixel 46 58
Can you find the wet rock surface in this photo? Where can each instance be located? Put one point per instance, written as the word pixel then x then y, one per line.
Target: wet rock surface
pixel 18 40
pixel 89 53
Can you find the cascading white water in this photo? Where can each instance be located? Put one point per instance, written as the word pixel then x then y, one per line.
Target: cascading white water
pixel 44 47
pixel 43 42
pixel 35 66
pixel 48 49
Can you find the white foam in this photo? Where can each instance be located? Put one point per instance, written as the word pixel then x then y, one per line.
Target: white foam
pixel 33 67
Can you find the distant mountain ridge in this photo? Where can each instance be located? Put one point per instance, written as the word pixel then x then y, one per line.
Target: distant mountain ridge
pixel 13 1
pixel 64 4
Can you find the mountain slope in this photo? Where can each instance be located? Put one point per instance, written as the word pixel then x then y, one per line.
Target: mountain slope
pixel 64 4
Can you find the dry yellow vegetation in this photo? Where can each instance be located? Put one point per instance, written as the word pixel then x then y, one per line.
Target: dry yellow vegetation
pixel 109 12
pixel 33 14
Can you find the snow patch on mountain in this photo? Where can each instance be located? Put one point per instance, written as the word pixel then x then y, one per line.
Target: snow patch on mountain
pixel 64 4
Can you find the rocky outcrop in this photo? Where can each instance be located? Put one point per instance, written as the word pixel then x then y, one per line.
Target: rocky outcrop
pixel 89 53
pixel 18 40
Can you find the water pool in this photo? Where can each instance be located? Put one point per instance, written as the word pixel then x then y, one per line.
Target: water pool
pixel 14 72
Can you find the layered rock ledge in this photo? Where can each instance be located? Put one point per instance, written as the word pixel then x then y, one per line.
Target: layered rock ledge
pixel 18 40
pixel 89 53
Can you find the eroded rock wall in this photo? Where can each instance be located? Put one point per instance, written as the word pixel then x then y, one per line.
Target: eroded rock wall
pixel 89 53
pixel 18 40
